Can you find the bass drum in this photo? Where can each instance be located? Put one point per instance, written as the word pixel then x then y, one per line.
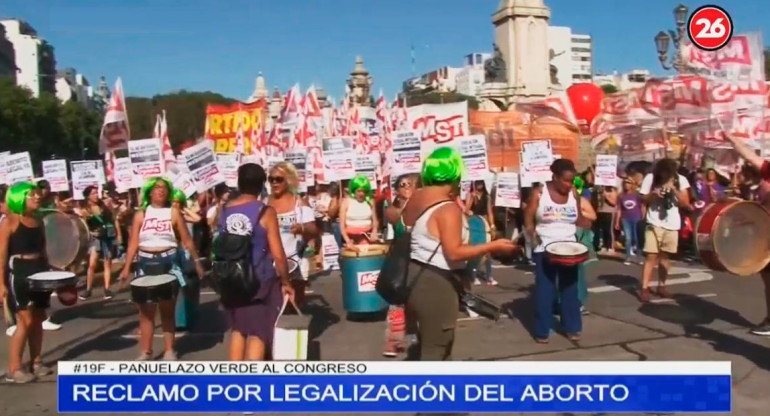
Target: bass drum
pixel 734 236
pixel 71 237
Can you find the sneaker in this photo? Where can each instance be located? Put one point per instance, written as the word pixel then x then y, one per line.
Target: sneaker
pixel 107 294
pixel 584 311
pixel 85 295
pixel 41 370
pixel 492 282
pixel 20 377
pixel 10 331
pixel 50 326
pixel 145 356
pixel 476 282
pixel 390 350
pixel 170 356
pixel 627 261
pixel 644 295
pixel 763 329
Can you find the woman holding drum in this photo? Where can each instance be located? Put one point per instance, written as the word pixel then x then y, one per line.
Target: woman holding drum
pixel 550 221
pixel 101 225
pixel 438 254
pixel 358 219
pixel 252 323
pixel 154 239
pixel 23 254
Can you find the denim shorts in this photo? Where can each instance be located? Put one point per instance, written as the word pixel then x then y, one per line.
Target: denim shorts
pixel 105 247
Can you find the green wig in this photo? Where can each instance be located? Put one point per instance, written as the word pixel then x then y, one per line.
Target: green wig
pixel 180 197
pixel 579 184
pixel 145 194
pixel 16 198
pixel 443 167
pixel 360 182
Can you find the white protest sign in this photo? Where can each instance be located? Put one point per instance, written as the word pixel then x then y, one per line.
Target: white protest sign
pixel 507 192
pixel 606 170
pixel 185 182
pixel 123 174
pixel 473 150
pixel 18 168
pixel 535 162
pixel 228 164
pixel 339 158
pixel 298 158
pixel 406 156
pixel 55 172
pixel 146 157
pixel 84 173
pixel 367 165
pixel 202 163
pixel 3 179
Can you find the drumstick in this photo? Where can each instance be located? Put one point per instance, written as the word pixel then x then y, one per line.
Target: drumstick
pixel 7 313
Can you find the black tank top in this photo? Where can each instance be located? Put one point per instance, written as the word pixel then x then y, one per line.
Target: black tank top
pixel 26 240
pixel 480 205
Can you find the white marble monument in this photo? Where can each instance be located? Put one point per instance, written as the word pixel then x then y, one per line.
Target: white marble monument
pixel 521 40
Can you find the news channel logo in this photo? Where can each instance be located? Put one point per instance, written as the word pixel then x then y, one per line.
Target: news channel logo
pixel 710 27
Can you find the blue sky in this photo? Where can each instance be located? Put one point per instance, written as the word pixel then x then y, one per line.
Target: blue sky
pixel 158 46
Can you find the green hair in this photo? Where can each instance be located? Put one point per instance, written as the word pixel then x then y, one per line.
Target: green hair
pixel 360 182
pixel 179 196
pixel 443 167
pixel 149 184
pixel 16 197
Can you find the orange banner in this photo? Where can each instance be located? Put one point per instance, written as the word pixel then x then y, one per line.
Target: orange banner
pixel 222 124
pixel 506 131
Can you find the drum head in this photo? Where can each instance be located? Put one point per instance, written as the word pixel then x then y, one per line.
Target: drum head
pixel 54 275
pixel 742 238
pixel 366 250
pixel 71 236
pixel 151 281
pixel 566 249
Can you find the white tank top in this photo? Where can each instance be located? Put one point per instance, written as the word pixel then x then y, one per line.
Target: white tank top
pixel 424 244
pixel 555 222
pixel 359 214
pixel 299 215
pixel 157 231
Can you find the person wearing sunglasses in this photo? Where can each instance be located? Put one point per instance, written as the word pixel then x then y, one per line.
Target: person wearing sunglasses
pixel 295 217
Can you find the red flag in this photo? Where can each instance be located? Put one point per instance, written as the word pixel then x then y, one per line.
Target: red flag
pixel 168 152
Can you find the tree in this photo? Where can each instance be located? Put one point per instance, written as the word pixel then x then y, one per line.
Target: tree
pixel 609 89
pixel 185 114
pixel 44 127
pixel 417 97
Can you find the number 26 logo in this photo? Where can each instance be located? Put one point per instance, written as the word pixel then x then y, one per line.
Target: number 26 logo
pixel 710 27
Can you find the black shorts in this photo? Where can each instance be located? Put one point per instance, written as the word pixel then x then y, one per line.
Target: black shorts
pixel 19 294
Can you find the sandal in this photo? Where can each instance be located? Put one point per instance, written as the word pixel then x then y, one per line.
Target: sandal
pixel 573 337
pixel 541 340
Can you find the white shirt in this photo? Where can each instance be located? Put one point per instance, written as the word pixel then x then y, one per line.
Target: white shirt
pixel 359 214
pixel 555 222
pixel 157 230
pixel 301 214
pixel 673 220
pixel 424 245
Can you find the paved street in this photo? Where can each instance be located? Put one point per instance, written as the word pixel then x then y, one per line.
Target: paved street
pixel 707 320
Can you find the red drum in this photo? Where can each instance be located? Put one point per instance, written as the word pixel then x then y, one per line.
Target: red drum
pixel 566 253
pixel 734 236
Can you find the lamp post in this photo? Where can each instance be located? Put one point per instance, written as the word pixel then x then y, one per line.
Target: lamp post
pixel 663 40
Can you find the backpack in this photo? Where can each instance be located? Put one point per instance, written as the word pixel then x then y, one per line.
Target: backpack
pixel 233 273
pixel 392 283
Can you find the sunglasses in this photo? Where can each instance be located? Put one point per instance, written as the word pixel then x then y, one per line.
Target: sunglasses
pixel 276 179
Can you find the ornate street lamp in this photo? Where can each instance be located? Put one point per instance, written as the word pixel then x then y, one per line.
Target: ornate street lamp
pixel 663 40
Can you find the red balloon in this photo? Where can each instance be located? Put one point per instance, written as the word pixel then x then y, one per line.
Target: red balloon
pixel 586 100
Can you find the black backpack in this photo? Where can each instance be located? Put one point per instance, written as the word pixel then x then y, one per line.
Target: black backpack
pixel 392 284
pixel 233 273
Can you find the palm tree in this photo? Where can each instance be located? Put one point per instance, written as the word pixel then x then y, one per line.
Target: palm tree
pixel 609 89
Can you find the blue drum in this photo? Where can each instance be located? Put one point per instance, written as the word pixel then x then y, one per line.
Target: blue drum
pixel 360 270
pixel 478 233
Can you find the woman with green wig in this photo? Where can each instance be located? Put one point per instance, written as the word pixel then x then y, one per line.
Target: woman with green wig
pixel 154 239
pixel 358 218
pixel 22 254
pixel 437 248
pixel 181 203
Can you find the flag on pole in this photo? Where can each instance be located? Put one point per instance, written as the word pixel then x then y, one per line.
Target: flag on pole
pixel 115 132
pixel 168 152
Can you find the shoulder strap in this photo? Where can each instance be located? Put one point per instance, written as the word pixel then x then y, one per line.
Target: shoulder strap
pixel 421 213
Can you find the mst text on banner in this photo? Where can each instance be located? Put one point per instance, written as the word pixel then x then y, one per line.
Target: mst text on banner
pixel 381 387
